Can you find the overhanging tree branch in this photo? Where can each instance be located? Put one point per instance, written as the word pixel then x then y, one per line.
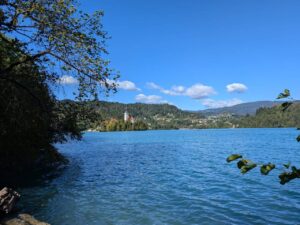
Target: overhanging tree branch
pixel 26 59
pixel 74 40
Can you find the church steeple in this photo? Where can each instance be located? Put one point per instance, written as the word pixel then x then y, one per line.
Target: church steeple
pixel 126 115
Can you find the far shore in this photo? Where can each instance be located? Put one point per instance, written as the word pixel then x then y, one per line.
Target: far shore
pixel 215 128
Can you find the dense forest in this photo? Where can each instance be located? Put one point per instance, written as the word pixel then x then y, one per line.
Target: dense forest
pixel 272 117
pixel 121 125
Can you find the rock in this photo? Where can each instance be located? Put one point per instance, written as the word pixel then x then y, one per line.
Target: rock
pixel 8 199
pixel 22 219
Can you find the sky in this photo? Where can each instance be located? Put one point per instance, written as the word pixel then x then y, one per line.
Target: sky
pixel 198 54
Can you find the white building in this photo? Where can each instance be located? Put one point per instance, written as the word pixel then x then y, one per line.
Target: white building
pixel 126 116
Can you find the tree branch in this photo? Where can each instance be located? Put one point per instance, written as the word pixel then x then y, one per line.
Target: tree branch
pixel 25 60
pixel 71 65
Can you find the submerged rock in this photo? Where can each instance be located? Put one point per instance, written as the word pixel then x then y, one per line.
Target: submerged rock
pixel 22 219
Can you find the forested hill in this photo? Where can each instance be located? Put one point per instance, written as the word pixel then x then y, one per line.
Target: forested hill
pixel 272 117
pixel 241 109
pixel 164 116
pixel 157 116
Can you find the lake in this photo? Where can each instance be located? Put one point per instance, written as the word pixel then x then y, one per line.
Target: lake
pixel 170 177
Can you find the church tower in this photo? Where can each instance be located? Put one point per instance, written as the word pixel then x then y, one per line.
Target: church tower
pixel 126 116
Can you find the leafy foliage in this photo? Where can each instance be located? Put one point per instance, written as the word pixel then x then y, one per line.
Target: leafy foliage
pixel 29 123
pixel 248 167
pixel 286 105
pixel 242 162
pixel 266 169
pixel 41 41
pixel 287 165
pixel 59 37
pixel 233 157
pixel 286 177
pixel 284 94
pixel 120 125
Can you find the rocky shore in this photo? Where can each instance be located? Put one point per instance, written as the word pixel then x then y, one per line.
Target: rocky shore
pixel 21 219
pixel 8 216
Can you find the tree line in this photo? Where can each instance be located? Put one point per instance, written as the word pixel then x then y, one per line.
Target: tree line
pixel 272 117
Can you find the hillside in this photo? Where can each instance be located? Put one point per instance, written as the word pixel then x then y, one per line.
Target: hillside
pixel 156 116
pixel 272 117
pixel 95 114
pixel 243 109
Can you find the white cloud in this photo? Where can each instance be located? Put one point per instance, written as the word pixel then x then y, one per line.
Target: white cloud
pixel 178 89
pixel 210 103
pixel 150 99
pixel 124 85
pixel 170 92
pixel 67 80
pixel 153 86
pixel 236 87
pixel 127 85
pixel 197 91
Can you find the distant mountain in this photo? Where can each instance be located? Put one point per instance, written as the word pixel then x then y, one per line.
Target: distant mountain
pixel 240 109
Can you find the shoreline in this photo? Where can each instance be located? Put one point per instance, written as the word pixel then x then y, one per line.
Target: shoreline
pixel 21 219
pixel 215 128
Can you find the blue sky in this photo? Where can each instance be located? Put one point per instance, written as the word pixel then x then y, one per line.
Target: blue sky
pixel 188 52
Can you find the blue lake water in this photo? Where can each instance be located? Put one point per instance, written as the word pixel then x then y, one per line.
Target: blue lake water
pixel 170 177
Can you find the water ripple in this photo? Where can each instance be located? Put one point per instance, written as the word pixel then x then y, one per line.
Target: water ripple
pixel 169 177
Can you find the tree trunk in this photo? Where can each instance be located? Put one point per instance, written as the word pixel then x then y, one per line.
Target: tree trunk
pixel 8 199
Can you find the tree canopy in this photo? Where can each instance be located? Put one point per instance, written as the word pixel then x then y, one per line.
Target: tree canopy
pixel 60 38
pixel 41 41
pixel 30 123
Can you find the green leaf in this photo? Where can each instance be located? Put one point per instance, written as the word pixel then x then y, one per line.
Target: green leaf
pixel 265 169
pixel 287 165
pixel 298 138
pixel 233 157
pixel 242 163
pixel 294 169
pixel 286 105
pixel 286 177
pixel 247 168
pixel 284 94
